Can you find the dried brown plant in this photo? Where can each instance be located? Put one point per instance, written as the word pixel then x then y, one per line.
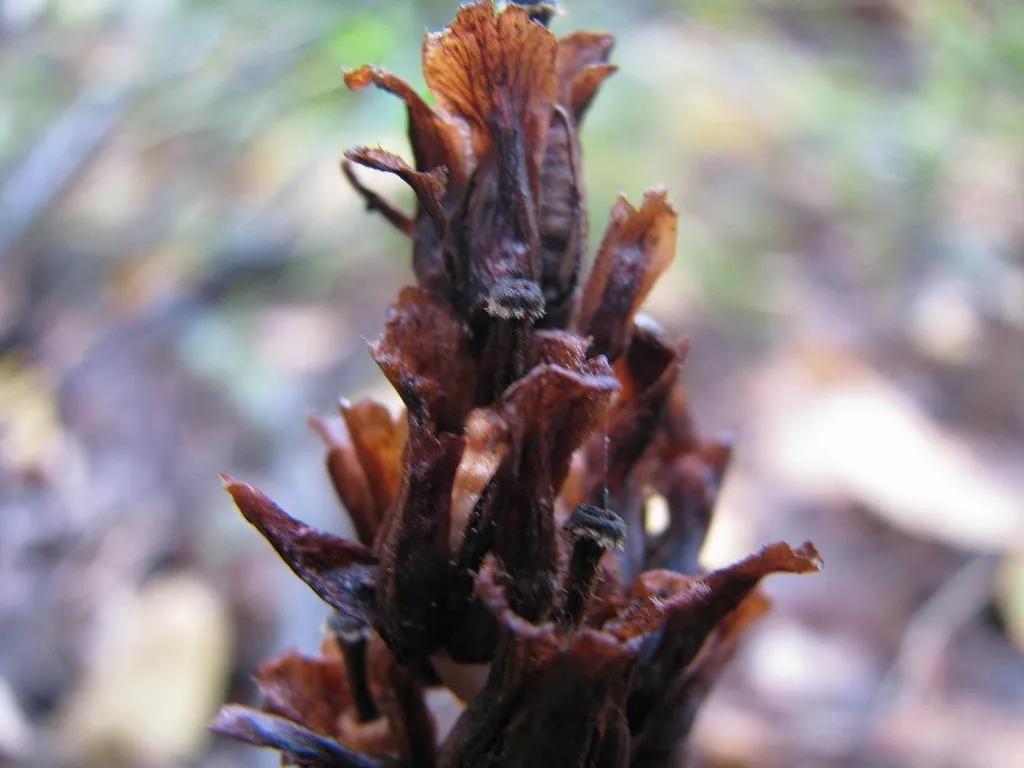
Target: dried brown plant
pixel 502 550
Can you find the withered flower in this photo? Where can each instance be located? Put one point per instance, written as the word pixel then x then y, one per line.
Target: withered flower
pixel 502 552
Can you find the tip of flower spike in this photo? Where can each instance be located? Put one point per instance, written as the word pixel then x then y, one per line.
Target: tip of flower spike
pixel 515 299
pixel 226 479
pixel 601 525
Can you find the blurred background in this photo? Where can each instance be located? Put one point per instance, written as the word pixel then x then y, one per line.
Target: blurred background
pixel 184 276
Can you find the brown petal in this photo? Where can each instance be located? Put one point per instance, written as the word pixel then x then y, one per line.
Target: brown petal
pixel 636 250
pixel 379 441
pixel 309 691
pixel 432 262
pixel 340 571
pixel 348 478
pixel 400 220
pixel 424 352
pixel 298 745
pixel 496 72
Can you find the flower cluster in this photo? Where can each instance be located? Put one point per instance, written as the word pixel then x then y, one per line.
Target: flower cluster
pixel 502 550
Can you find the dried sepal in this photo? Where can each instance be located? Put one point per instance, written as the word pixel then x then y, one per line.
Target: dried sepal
pixel 342 572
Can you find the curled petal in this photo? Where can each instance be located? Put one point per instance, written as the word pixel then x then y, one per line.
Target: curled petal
pixel 340 571
pixel 431 256
pixel 636 250
pixel 436 140
pixel 298 744
pixel 374 202
pixel 428 185
pixel 424 352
